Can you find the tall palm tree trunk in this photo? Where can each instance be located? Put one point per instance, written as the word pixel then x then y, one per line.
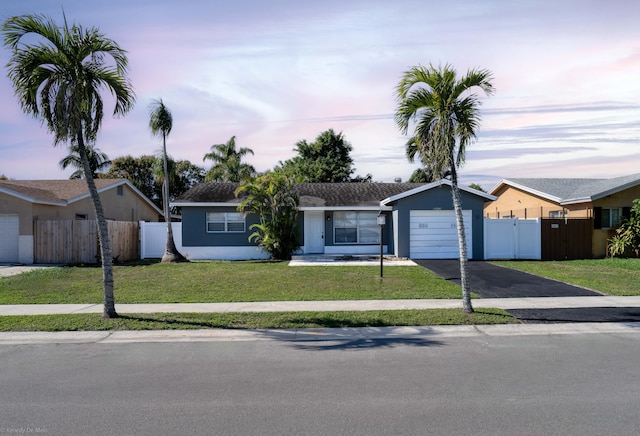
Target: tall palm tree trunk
pixel 462 242
pixel 171 253
pixel 103 235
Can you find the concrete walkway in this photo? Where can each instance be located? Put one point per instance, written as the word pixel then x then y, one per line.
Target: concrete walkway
pixel 327 306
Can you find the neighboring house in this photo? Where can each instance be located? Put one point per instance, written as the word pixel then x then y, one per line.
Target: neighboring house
pixel 339 218
pixel 604 200
pixel 24 201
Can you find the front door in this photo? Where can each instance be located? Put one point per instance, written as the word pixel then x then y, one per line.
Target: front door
pixel 314 232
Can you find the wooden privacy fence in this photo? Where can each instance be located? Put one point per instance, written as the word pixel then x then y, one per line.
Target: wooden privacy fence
pixel 76 241
pixel 566 239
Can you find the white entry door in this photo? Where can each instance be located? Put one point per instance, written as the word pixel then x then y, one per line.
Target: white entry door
pixel 314 232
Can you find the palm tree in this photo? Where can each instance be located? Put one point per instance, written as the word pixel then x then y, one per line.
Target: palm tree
pixel 160 123
pixel 444 112
pixel 227 163
pixel 58 77
pixel 98 161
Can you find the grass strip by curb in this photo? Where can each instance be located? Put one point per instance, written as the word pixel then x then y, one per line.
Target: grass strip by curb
pixel 253 320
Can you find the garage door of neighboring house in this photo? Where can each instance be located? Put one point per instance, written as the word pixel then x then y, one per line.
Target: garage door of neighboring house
pixel 9 237
pixel 434 234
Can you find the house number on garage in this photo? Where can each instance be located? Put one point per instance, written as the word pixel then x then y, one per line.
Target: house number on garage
pixel 423 226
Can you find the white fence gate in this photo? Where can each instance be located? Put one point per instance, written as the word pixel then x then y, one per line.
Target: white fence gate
pixel 512 238
pixel 153 238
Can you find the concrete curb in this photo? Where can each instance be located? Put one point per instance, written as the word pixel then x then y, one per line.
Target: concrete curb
pixel 399 334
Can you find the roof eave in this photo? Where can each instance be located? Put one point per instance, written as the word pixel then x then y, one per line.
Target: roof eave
pixel 31 199
pixel 393 198
pixel 527 189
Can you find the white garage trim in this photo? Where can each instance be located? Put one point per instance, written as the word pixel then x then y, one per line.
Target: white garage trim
pixel 9 238
pixel 434 235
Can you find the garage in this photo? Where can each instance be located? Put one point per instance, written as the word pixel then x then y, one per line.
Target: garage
pixel 9 236
pixel 433 234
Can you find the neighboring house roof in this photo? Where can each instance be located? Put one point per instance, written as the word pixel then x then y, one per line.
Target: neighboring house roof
pixel 570 191
pixel 316 195
pixel 61 192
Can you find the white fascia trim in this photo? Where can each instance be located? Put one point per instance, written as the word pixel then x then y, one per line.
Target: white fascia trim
pixel 203 204
pixel 113 185
pixel 32 199
pixel 432 185
pixel 529 190
pixel 342 208
pixel 88 194
pixel 615 190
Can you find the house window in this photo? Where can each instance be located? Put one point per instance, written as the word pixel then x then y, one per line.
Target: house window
pixel 82 216
pixel 120 190
pixel 355 228
pixel 556 214
pixel 610 218
pixel 225 222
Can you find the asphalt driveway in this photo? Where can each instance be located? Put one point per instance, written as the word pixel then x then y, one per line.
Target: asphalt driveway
pixel 492 281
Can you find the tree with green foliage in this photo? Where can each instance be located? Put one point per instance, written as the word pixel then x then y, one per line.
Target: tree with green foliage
pixel 58 74
pixel 98 162
pixel 227 163
pixel 273 199
pixel 476 187
pixel 325 160
pixel 160 123
pixel 140 172
pixel 627 238
pixel 443 111
pixel 145 173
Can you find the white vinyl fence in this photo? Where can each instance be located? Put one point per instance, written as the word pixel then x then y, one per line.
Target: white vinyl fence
pixel 153 238
pixel 512 238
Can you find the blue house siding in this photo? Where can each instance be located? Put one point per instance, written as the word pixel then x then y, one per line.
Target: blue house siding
pixel 194 229
pixel 439 199
pixel 325 200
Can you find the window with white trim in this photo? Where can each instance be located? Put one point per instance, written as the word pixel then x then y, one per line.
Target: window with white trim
pixel 556 214
pixel 611 218
pixel 356 228
pixel 225 222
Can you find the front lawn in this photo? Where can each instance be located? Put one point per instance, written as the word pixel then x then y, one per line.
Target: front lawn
pixel 204 282
pixel 609 276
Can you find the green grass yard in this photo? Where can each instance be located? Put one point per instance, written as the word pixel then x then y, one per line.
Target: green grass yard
pixel 271 320
pixel 209 282
pixel 612 276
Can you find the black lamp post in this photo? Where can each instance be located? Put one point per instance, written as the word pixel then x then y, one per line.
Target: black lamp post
pixel 381 222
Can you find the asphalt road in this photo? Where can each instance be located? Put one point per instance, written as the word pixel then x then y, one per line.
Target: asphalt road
pixel 493 281
pixel 579 384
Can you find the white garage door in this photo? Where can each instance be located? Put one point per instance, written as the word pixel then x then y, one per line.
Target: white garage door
pixel 434 234
pixel 9 231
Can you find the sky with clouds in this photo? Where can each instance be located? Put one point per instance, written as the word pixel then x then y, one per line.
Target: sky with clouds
pixel 566 73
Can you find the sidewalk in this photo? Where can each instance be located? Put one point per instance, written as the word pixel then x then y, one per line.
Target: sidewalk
pixel 328 306
pixel 323 334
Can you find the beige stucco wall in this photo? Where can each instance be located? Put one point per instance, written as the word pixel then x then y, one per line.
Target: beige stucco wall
pixel 13 205
pixel 520 204
pixel 515 201
pixel 618 200
pixel 126 207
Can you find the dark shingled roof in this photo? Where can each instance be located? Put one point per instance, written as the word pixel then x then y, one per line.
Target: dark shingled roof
pixel 310 194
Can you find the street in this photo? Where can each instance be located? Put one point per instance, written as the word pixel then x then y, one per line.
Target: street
pixel 586 384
